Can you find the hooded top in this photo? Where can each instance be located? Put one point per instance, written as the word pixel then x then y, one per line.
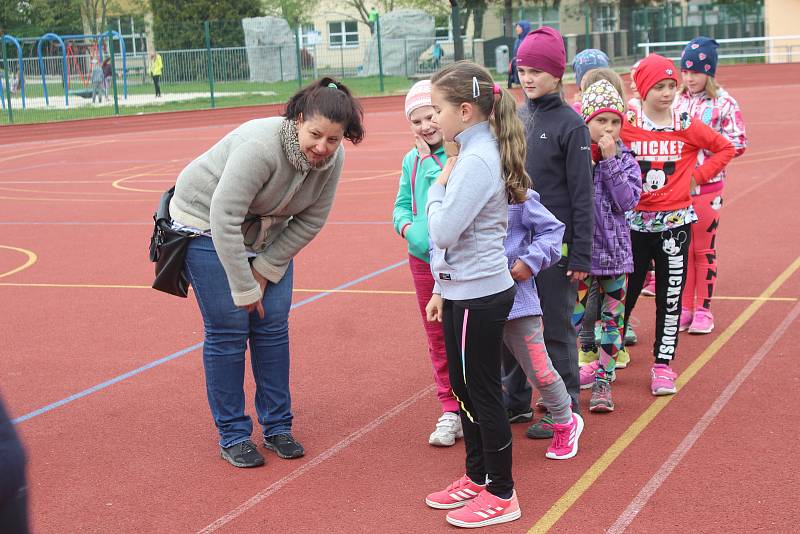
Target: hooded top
pixel 526 29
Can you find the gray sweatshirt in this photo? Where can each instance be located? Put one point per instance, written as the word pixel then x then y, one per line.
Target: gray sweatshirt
pixel 254 191
pixel 467 221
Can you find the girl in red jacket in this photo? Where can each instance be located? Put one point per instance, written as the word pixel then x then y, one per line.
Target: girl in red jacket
pixel 666 145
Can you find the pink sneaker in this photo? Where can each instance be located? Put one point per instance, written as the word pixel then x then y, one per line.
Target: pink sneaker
pixel 649 289
pixel 703 322
pixel 565 439
pixel 484 510
pixel 662 380
pixel 588 374
pixel 686 319
pixel 456 494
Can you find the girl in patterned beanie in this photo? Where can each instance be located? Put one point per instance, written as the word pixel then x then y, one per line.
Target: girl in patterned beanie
pixel 704 100
pixel 617 187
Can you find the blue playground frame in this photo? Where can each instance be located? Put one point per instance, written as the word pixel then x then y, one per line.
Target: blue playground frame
pixel 65 70
pixel 12 39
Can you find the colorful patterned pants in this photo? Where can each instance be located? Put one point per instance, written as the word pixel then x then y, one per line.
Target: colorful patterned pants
pixel 612 315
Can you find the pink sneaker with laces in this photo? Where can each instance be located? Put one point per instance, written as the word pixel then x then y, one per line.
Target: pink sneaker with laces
pixel 456 494
pixel 649 289
pixel 703 322
pixel 686 319
pixel 565 439
pixel 662 380
pixel 484 510
pixel 588 374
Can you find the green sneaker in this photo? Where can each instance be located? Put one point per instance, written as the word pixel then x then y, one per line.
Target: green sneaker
pixel 587 356
pixel 630 337
pixel 541 429
pixel 623 359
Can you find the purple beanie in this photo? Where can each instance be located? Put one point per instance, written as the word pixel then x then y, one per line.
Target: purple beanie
pixel 543 49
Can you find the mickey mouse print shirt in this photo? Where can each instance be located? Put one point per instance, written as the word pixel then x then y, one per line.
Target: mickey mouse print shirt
pixel 667 157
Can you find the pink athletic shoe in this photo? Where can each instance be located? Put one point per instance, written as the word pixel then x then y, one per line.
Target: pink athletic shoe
pixel 703 322
pixel 649 289
pixel 588 374
pixel 456 494
pixel 484 510
pixel 662 380
pixel 686 319
pixel 565 439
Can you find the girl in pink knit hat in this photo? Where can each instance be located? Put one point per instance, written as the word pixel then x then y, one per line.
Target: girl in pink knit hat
pixel 421 166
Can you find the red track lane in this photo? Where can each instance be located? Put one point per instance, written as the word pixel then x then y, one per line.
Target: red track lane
pixel 140 456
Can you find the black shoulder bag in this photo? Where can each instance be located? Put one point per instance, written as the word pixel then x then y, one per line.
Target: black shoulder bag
pixel 168 251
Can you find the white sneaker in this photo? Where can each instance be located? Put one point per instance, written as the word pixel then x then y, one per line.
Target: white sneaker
pixel 448 428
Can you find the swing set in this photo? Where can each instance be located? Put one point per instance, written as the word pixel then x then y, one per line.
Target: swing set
pixel 76 57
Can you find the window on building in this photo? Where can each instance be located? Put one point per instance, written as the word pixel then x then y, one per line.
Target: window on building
pixel 309 35
pixel 343 34
pixel 604 18
pixel 442 28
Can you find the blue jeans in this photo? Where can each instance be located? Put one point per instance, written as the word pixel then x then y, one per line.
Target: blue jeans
pixel 227 332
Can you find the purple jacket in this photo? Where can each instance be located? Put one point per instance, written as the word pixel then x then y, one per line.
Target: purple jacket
pixel 534 236
pixel 617 187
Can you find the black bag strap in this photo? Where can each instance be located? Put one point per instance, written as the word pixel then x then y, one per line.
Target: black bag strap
pixel 162 214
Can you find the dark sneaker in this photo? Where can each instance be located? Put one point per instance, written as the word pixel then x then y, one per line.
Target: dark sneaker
pixel 601 400
pixel 542 429
pixel 525 416
pixel 285 446
pixel 244 454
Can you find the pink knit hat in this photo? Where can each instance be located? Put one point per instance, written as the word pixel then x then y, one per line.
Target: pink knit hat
pixel 543 49
pixel 418 96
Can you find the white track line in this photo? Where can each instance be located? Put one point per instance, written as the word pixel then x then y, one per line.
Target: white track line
pixel 329 453
pixel 639 502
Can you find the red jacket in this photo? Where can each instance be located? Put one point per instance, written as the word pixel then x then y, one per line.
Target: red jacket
pixel 668 159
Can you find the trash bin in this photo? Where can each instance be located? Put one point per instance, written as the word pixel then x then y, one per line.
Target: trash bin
pixel 501 59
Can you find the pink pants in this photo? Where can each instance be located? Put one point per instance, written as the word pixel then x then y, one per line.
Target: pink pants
pixel 701 274
pixel 423 284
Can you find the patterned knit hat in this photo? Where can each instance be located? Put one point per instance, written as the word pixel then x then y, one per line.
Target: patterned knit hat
pixel 587 60
pixel 700 55
pixel 652 70
pixel 543 49
pixel 418 96
pixel 599 98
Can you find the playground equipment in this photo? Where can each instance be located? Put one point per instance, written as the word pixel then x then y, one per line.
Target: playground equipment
pixel 21 85
pixel 66 50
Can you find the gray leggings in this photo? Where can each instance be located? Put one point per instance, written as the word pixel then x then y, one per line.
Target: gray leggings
pixel 524 339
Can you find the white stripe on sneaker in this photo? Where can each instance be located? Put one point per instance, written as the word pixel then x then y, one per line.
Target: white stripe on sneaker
pixel 481 514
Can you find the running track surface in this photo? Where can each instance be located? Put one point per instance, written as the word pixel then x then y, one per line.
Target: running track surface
pixel 105 374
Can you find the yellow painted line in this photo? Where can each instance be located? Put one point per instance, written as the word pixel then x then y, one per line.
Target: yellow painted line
pixel 765 299
pixel 29 199
pixel 39 152
pixel 30 261
pixel 563 504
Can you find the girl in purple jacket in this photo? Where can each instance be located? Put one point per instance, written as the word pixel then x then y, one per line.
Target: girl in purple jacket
pixel 617 187
pixel 533 243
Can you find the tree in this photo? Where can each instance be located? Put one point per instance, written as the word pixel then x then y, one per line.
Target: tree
pixel 94 15
pixel 178 24
pixel 36 17
pixel 295 12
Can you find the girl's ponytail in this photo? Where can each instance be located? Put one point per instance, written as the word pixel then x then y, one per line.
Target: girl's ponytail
pixel 511 137
pixel 464 81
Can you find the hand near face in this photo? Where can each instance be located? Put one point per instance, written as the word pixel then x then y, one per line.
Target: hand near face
pixel 423 148
pixel 608 146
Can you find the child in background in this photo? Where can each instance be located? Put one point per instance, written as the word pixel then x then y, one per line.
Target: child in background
pixel 617 187
pixel 522 29
pixel 467 221
pixel 533 243
pixel 421 165
pixel 583 63
pixel 559 161
pixel 666 145
pixel 706 101
pixel 98 83
pixel 590 330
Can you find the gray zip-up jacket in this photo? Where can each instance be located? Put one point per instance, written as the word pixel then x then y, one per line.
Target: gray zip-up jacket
pixel 467 221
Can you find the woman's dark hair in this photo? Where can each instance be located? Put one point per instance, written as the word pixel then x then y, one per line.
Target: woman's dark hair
pixel 330 99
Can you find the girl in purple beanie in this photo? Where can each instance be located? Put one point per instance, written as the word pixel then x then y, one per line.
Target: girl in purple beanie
pixel 559 163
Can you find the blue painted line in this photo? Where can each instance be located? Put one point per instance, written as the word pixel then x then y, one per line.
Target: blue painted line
pixel 184 351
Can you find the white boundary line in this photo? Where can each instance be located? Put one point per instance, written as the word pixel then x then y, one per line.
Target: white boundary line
pixel 322 457
pixel 641 500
